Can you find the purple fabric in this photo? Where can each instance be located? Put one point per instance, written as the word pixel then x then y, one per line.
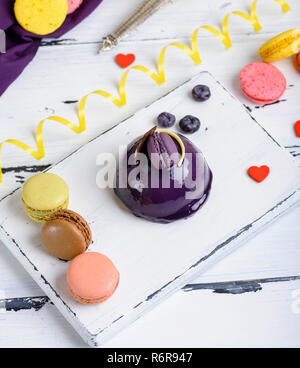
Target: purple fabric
pixel 21 46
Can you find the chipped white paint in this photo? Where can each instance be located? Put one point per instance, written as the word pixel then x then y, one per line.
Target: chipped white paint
pixel 274 252
pixel 155 266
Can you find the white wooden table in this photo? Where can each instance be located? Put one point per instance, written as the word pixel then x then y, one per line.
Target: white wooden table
pixel 251 298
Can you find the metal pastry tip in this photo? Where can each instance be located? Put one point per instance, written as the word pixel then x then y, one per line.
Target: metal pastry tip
pixel 108 43
pixel 148 8
pixel 104 48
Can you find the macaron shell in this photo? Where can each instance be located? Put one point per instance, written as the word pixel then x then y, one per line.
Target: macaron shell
pixel 262 82
pixel 75 219
pixel 45 192
pixel 281 46
pixel 92 277
pixel 161 150
pixel 41 17
pixel 260 102
pixel 91 301
pixel 73 5
pixel 63 239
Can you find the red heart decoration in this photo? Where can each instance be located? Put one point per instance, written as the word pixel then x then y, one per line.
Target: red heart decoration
pixel 297 128
pixel 125 60
pixel 259 173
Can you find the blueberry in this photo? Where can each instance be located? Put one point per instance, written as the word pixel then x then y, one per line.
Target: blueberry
pixel 201 93
pixel 166 120
pixel 189 124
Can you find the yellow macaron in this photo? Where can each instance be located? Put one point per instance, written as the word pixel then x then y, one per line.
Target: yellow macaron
pixel 44 194
pixel 41 17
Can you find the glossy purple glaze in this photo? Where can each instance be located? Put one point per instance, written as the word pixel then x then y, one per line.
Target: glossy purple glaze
pixel 161 204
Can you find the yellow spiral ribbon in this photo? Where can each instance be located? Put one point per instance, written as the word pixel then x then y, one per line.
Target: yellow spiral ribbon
pixel 159 78
pixel 40 152
pixel 284 5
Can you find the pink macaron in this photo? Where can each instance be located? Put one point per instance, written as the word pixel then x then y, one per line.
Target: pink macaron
pixel 73 5
pixel 262 83
pixel 92 278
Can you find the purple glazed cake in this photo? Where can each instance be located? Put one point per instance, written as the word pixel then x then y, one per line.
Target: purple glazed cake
pixel 164 177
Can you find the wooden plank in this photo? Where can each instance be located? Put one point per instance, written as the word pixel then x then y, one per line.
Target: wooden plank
pixel 235 193
pixel 274 252
pixel 266 318
pixel 47 97
pixel 199 318
pixel 62 73
pixel 179 19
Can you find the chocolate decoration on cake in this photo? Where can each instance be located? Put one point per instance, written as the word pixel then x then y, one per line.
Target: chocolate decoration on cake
pixel 166 177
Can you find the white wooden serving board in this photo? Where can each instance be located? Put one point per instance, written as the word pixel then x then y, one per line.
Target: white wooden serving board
pixel 155 260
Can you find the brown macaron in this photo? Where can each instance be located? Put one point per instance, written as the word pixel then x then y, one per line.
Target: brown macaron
pixel 66 235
